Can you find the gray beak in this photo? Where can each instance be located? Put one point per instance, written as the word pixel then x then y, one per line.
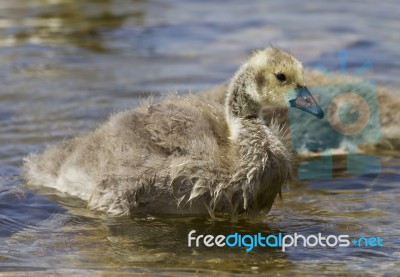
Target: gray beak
pixel 305 102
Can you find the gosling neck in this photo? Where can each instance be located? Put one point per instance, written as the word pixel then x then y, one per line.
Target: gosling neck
pixel 243 99
pixel 242 104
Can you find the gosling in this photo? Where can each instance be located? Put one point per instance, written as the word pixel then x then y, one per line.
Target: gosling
pixel 186 154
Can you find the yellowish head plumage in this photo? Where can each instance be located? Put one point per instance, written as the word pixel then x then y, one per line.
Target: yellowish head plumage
pixel 277 75
pixel 270 77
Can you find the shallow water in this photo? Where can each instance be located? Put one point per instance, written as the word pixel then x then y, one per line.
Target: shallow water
pixel 65 66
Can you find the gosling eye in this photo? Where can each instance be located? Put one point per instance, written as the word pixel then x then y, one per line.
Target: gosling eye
pixel 281 77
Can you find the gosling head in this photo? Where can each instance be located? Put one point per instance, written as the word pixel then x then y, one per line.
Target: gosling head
pixel 273 77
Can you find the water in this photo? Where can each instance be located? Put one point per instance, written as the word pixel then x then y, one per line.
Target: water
pixel 65 65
